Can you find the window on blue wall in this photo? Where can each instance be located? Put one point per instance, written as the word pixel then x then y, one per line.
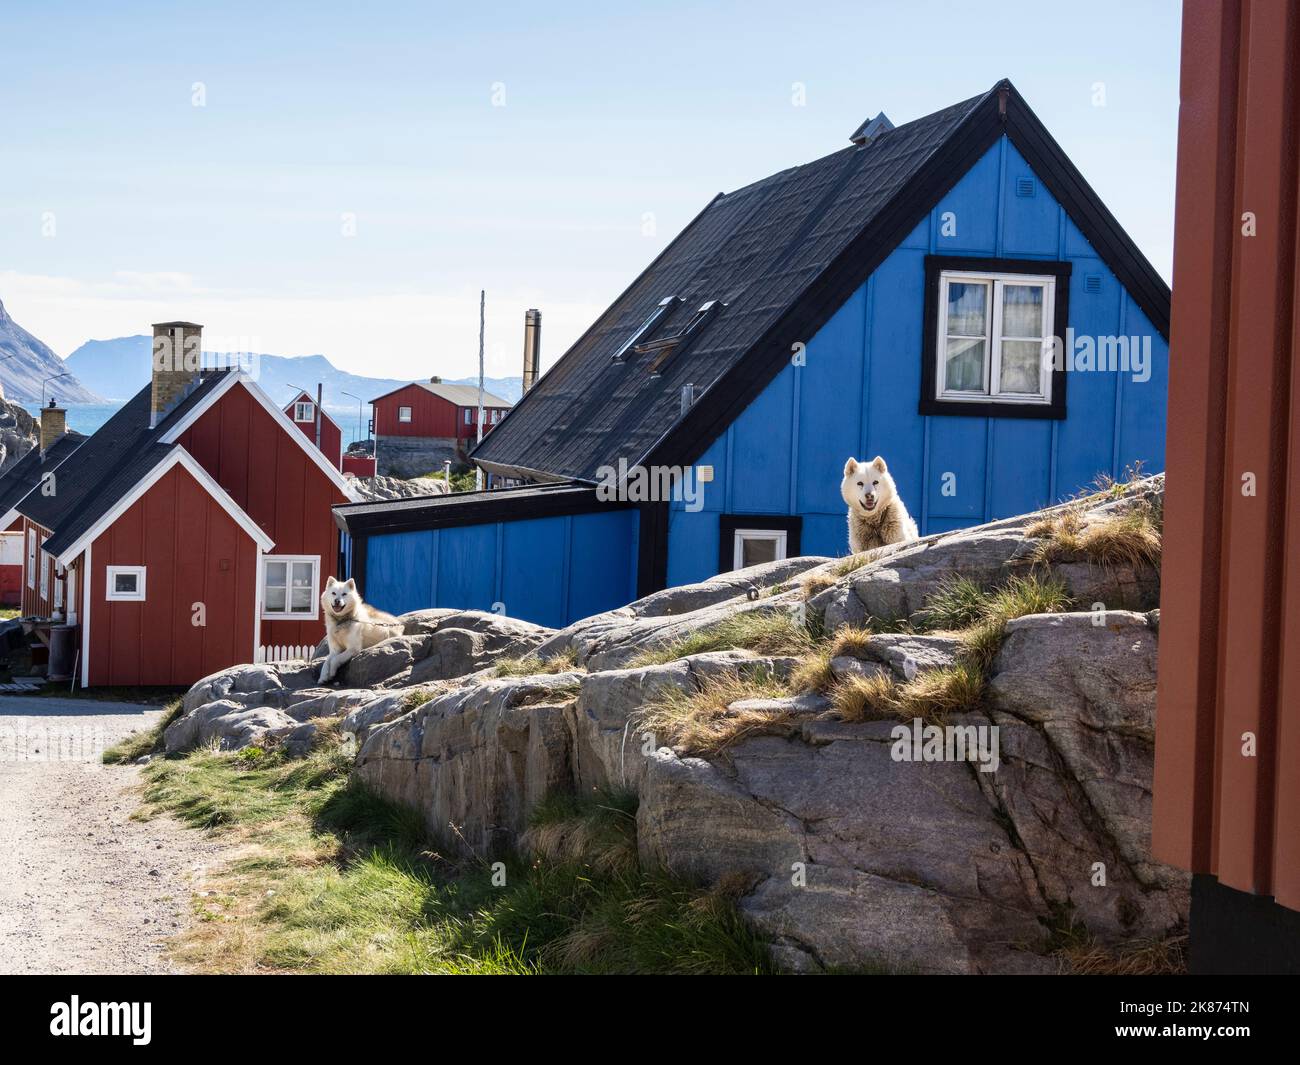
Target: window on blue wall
pixel 993 332
pixel 990 337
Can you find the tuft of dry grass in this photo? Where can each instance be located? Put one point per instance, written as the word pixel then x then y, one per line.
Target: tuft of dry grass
pixel 1166 957
pixel 1131 538
pixel 936 694
pixel 811 584
pixel 532 665
pixel 767 632
pixel 866 698
pixel 598 830
pixel 814 673
pixel 703 722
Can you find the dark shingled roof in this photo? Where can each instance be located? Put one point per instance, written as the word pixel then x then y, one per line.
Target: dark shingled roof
pixel 26 473
pixel 782 255
pixel 108 465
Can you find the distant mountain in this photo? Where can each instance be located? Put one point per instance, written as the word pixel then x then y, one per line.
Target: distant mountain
pixel 25 362
pixel 119 368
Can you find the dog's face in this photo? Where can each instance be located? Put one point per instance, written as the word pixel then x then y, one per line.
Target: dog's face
pixel 340 597
pixel 867 486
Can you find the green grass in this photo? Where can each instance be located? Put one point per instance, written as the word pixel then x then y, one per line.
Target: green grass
pixel 328 877
pixel 8 612
pixel 764 631
pixel 146 741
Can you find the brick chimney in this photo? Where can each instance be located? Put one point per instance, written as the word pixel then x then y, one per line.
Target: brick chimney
pixel 54 423
pixel 532 346
pixel 177 359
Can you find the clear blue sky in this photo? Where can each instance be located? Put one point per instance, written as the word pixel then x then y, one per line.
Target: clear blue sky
pixel 613 118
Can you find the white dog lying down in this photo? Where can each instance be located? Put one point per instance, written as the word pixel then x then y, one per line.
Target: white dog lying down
pixel 877 515
pixel 350 625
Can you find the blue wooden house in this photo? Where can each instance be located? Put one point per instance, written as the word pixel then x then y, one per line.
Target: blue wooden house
pixel 948 293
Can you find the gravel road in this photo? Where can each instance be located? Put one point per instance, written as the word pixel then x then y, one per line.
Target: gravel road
pixel 83 888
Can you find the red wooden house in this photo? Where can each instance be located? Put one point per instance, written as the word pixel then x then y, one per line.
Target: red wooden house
pixel 302 412
pixel 190 533
pixel 423 424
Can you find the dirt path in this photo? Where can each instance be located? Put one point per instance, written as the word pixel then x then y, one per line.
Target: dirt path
pixel 83 888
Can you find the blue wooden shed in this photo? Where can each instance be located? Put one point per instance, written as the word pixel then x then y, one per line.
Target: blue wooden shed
pixel 949 294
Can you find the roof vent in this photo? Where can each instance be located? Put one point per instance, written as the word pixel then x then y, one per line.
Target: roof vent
pixel 871 129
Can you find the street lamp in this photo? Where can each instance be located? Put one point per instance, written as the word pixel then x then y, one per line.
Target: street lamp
pixel 360 401
pixel 66 373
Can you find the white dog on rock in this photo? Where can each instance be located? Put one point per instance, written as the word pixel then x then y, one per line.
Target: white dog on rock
pixel 877 515
pixel 350 625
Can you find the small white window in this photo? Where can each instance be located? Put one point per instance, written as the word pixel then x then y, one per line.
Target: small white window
pixel 125 583
pixel 754 546
pixel 304 411
pixel 290 586
pixel 31 558
pixel 403 414
pixel 45 570
pixel 469 416
pixel 58 589
pixel 994 333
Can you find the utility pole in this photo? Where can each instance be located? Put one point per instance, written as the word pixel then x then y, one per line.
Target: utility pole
pixel 319 396
pixel 478 470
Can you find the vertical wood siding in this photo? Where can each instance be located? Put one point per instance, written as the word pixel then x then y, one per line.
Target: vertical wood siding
pixel 331 436
pixel 194 552
pixel 277 484
pixel 858 393
pixel 546 570
pixel 1230 617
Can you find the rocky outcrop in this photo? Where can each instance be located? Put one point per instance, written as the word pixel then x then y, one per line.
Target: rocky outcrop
pixel 369 489
pixel 861 844
pixel 19 433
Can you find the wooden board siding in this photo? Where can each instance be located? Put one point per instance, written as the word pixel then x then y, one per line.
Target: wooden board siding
pixel 331 436
pixel 546 570
pixel 431 415
pixel 194 552
pixel 1230 617
pixel 858 393
pixel 33 603
pixel 277 484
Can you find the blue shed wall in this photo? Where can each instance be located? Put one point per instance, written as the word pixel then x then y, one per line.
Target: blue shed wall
pixel 857 394
pixel 546 570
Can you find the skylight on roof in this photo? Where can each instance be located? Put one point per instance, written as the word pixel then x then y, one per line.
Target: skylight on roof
pixel 667 304
pixel 666 347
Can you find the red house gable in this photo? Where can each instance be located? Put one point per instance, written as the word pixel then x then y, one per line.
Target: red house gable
pixel 196 557
pixel 331 435
pixel 251 453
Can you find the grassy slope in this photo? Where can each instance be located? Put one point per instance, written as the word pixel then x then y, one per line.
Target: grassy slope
pixel 330 878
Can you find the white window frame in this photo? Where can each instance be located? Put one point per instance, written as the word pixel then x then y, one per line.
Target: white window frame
pixel 110 581
pixel 31 559
pixel 996 283
pixel 469 415
pixel 404 414
pixel 304 411
pixel 781 536
pixel 288 614
pixel 45 570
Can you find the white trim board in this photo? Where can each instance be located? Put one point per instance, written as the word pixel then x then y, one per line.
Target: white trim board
pixel 254 389
pixel 178 456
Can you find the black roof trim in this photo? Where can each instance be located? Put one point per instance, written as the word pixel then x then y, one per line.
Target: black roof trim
pixel 470 508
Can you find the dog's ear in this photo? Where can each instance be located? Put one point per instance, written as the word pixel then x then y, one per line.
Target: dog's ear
pixel 350 583
pixel 879 464
pixel 330 582
pixel 850 466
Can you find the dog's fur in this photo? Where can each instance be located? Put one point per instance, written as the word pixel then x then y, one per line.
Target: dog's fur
pixel 350 625
pixel 877 515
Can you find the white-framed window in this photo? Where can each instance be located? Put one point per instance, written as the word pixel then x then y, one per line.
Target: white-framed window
pixel 469 415
pixel 304 411
pixel 994 331
pixel 125 583
pixel 754 546
pixel 45 570
pixel 291 587
pixel 59 579
pixel 403 414
pixel 31 559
